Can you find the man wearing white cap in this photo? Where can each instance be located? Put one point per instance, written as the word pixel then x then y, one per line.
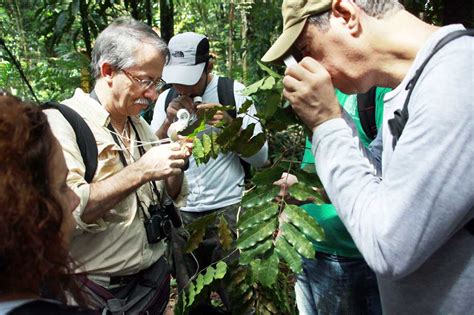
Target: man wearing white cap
pixel 217 185
pixel 413 225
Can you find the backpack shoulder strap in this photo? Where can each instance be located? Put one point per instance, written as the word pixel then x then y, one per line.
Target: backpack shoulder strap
pixel 172 94
pixel 398 122
pixel 225 92
pixel 84 137
pixel 366 108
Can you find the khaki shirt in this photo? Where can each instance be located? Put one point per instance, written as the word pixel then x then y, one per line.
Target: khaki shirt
pixel 116 244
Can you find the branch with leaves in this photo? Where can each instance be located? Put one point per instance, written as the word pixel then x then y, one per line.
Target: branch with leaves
pixel 273 233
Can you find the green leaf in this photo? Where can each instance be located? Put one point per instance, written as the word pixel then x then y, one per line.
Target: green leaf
pixel 209 276
pixel 198 151
pixel 225 234
pixel 267 102
pixel 299 242
pixel 238 276
pixel 221 270
pixel 249 254
pixel 302 192
pixel 260 195
pixel 268 83
pixel 304 222
pixel 199 284
pixel 245 106
pixel 289 254
pixel 252 236
pixel 230 132
pixel 194 241
pixel 267 176
pixel 203 222
pixel 215 147
pixel 308 176
pixel 192 294
pixel 269 71
pixel 253 146
pixel 200 126
pixel 281 119
pixel 256 215
pixel 268 270
pixel 253 88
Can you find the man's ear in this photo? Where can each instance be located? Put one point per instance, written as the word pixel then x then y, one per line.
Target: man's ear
pixel 348 11
pixel 210 65
pixel 107 71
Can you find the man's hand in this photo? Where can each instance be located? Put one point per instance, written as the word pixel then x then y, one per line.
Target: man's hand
pixel 309 89
pixel 220 115
pixel 176 104
pixel 163 161
pixel 286 181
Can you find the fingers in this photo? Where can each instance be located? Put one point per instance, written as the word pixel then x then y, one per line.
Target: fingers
pixel 207 106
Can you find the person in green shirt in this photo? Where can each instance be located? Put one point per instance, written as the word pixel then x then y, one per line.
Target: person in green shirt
pixel 338 280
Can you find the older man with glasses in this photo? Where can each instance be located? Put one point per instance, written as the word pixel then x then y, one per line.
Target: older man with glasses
pixel 120 239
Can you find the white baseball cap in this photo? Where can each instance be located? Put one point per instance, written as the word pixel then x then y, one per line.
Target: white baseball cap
pixel 189 53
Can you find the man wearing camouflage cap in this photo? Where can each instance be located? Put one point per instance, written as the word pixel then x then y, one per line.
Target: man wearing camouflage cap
pixel 413 225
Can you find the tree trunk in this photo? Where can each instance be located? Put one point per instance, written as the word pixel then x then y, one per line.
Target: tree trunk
pixel 85 27
pixel 149 13
pixel 166 19
pixel 245 41
pixel 134 9
pixel 458 11
pixel 230 42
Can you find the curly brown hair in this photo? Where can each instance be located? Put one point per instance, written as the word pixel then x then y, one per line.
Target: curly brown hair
pixel 33 258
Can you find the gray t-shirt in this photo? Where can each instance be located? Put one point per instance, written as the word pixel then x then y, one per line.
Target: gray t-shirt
pixel 408 224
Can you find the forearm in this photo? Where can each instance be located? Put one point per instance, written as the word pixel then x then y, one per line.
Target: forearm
pixel 105 194
pixel 173 185
pixel 396 223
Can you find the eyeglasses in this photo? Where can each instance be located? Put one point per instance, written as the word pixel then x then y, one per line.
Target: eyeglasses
pixel 145 84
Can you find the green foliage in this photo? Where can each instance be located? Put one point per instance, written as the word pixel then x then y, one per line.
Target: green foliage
pixel 189 295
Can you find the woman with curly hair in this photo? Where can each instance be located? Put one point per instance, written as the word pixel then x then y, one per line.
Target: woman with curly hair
pixel 36 220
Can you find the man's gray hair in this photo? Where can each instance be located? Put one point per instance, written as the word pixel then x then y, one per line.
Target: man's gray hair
pixel 119 41
pixel 375 8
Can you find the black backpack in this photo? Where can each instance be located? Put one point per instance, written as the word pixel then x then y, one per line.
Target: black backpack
pixel 398 122
pixel 84 137
pixel 225 93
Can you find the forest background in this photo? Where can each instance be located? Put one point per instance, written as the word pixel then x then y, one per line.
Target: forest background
pixel 53 39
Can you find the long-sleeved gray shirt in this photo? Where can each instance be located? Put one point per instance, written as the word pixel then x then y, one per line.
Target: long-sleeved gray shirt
pixel 408 224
